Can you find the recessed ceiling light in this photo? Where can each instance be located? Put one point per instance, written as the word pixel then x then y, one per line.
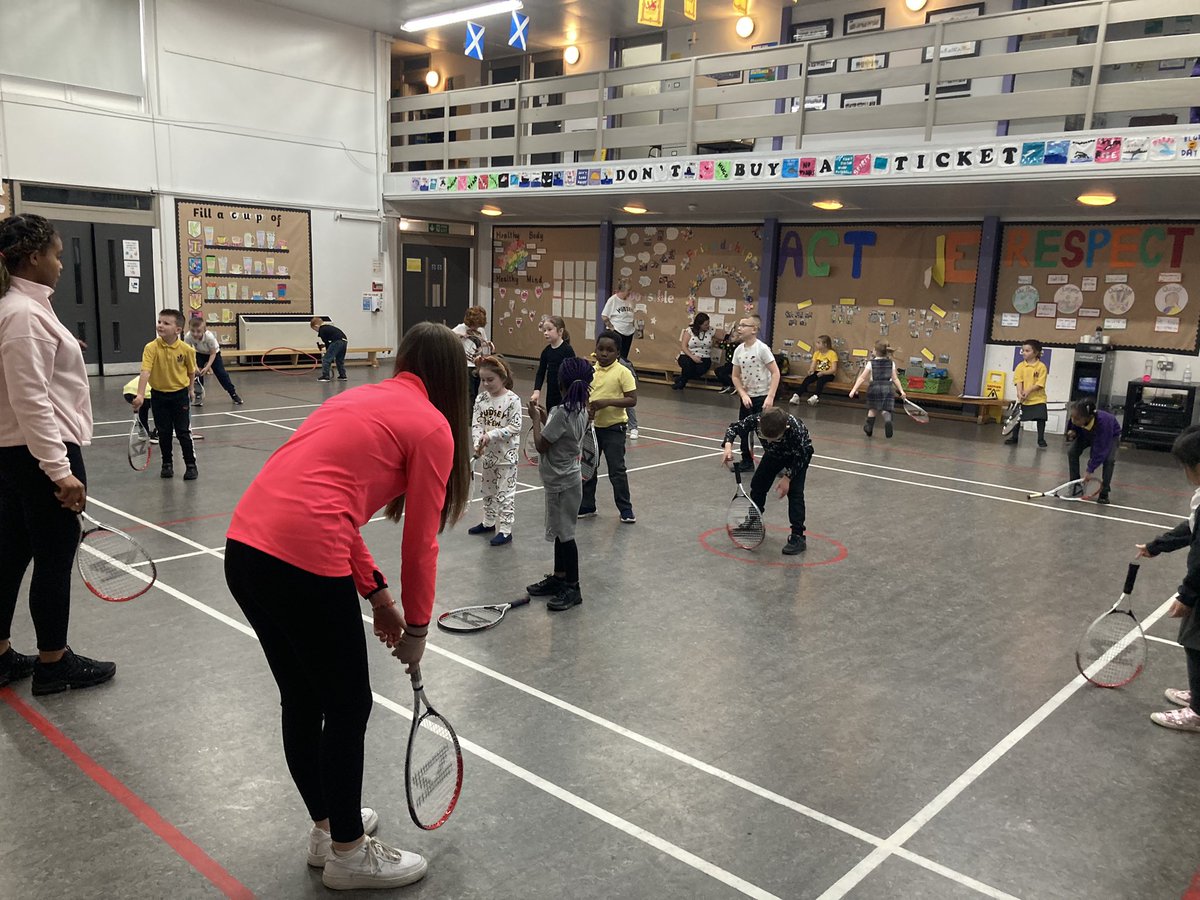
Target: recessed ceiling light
pixel 1097 198
pixel 634 209
pixel 432 78
pixel 462 15
pixel 490 210
pixel 571 55
pixel 744 27
pixel 827 204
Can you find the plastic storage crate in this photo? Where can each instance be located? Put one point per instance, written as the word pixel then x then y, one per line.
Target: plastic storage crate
pixel 918 384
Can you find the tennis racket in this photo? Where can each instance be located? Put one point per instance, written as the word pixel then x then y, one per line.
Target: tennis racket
pixel 528 448
pixel 1112 651
pixel 1065 491
pixel 433 766
pixel 1012 418
pixel 589 454
pixel 139 446
pixel 477 618
pixel 744 521
pixel 113 565
pixel 199 390
pixel 915 412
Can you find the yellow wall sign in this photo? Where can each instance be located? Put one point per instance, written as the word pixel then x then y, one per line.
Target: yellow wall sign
pixel 937 311
pixel 804 304
pixel 847 301
pixel 689 9
pixel 804 345
pixel 886 301
pixel 650 12
pixel 925 353
pixel 859 353
pixel 412 264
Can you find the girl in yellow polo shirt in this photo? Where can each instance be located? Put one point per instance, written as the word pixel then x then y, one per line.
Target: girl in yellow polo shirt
pixel 1030 380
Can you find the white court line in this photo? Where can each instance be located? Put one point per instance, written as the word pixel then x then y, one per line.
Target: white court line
pixel 125 422
pixel 906 831
pixel 206 428
pixel 1151 637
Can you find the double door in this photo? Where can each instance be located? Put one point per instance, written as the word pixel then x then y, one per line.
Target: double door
pixel 436 283
pixel 105 295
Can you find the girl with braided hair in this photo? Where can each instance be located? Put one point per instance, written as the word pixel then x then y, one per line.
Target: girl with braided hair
pixel 45 420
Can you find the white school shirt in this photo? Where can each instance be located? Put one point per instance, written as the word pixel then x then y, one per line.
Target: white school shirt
pixel 620 313
pixel 207 344
pixel 701 346
pixel 753 363
pixel 500 419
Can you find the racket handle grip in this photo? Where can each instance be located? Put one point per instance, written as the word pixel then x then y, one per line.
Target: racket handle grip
pixel 1130 578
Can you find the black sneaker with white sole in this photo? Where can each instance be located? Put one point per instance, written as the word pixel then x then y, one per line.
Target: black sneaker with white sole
pixel 796 544
pixel 70 673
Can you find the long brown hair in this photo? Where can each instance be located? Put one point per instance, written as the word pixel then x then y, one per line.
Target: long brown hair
pixel 433 353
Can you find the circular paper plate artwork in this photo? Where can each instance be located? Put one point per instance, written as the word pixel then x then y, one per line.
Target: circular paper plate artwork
pixel 1171 299
pixel 1025 298
pixel 1118 299
pixel 1068 299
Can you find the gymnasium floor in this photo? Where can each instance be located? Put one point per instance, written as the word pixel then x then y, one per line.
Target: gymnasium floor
pixel 894 714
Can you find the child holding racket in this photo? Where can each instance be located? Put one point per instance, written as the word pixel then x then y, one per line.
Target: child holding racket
pixel 613 393
pixel 881 399
pixel 1030 379
pixel 558 349
pixel 558 443
pixel 495 435
pixel 475 342
pixel 169 368
pixel 129 391
pixel 1186 451
pixel 208 359
pixel 755 377
pixel 1095 428
pixel 787 451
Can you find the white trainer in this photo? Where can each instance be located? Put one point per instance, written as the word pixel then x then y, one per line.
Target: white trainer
pixel 814 400
pixel 795 398
pixel 319 841
pixel 1178 697
pixel 372 865
pixel 633 434
pixel 1179 719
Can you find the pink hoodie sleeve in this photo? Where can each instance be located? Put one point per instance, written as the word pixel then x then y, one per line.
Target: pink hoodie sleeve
pixel 27 363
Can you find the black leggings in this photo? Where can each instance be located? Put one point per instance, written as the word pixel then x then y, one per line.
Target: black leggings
pixel 36 528
pixel 566 560
pixel 816 383
pixel 312 634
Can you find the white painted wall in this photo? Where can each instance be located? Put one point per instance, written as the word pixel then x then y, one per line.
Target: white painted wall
pixel 244 102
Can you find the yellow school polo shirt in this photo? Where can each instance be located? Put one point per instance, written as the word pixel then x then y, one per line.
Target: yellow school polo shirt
pixel 611 384
pixel 171 366
pixel 1033 379
pixel 824 360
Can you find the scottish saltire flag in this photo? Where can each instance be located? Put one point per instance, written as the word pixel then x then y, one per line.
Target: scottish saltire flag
pixel 473 45
pixel 518 31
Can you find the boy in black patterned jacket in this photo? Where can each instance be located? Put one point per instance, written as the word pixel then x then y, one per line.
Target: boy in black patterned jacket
pixel 787 450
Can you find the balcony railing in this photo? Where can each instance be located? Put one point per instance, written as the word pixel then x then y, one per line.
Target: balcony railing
pixel 1057 75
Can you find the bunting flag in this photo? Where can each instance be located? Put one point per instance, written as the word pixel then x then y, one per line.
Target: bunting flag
pixel 517 33
pixel 689 9
pixel 650 12
pixel 473 44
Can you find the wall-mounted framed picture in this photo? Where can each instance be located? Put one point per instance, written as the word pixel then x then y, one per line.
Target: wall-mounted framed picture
pixel 727 77
pixel 822 66
pixel 946 90
pixel 859 99
pixel 862 22
pixel 1166 65
pixel 758 76
pixel 812 103
pixel 817 30
pixel 953 14
pixel 867 63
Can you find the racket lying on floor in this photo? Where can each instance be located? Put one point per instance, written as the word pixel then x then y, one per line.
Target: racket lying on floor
pixel 139 446
pixel 1012 418
pixel 433 766
pixel 915 412
pixel 113 565
pixel 744 521
pixel 1112 651
pixel 476 618
pixel 1068 490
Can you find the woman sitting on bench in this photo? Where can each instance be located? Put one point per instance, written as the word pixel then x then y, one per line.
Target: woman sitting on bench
pixel 695 344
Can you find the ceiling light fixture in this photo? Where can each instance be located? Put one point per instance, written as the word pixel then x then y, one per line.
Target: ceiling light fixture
pixel 571 55
pixel 744 27
pixel 462 15
pixel 1097 198
pixel 634 209
pixel 490 210
pixel 915 5
pixel 432 78
pixel 827 204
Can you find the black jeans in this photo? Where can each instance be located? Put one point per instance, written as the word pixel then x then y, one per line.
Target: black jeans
pixel 815 383
pixel 764 476
pixel 313 638
pixel 1193 670
pixel 335 351
pixel 689 368
pixel 218 370
pixel 172 417
pixel 1083 441
pixel 626 344
pixel 756 406
pixel 36 528
pixel 610 442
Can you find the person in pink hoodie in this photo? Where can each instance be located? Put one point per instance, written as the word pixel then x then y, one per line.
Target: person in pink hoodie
pixel 45 421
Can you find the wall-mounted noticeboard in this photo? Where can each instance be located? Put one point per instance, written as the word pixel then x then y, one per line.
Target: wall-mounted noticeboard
pixel 236 259
pixel 1138 281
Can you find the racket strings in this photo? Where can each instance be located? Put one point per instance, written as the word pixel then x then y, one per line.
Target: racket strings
pixel 589 455
pixel 114 567
pixel 433 770
pixel 470 619
pixel 1113 651
pixel 744 522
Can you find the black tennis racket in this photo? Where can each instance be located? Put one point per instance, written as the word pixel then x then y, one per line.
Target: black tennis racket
pixel 1068 490
pixel 139 446
pixel 477 618
pixel 1112 651
pixel 915 412
pixel 589 453
pixel 744 521
pixel 1012 418
pixel 113 565
pixel 433 766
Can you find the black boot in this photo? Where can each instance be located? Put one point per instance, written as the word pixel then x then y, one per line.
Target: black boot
pixel 869 426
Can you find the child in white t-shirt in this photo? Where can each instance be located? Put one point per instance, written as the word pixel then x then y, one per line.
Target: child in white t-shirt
pixel 755 378
pixel 496 434
pixel 208 359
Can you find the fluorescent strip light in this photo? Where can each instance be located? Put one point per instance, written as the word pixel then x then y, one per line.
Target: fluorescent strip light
pixel 462 15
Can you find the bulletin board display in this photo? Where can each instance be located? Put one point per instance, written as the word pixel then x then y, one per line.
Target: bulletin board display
pixel 236 260
pixel 676 271
pixel 540 272
pixel 910 285
pixel 6 200
pixel 1058 283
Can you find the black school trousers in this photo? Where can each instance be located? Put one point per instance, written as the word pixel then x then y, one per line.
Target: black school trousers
pixel 172 416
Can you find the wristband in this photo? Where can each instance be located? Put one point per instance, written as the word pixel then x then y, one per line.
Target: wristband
pixel 417 631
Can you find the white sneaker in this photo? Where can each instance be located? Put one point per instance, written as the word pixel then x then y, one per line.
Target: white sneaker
pixel 372 865
pixel 1179 719
pixel 1178 697
pixel 633 434
pixel 814 400
pixel 795 398
pixel 319 841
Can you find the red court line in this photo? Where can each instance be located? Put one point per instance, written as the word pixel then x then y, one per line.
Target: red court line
pixel 1193 891
pixel 171 836
pixel 184 521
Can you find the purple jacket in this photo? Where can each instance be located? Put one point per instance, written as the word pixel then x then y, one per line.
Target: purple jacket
pixel 1103 435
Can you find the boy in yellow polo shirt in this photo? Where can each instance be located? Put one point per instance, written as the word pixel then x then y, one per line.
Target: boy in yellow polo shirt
pixel 613 392
pixel 169 368
pixel 1030 380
